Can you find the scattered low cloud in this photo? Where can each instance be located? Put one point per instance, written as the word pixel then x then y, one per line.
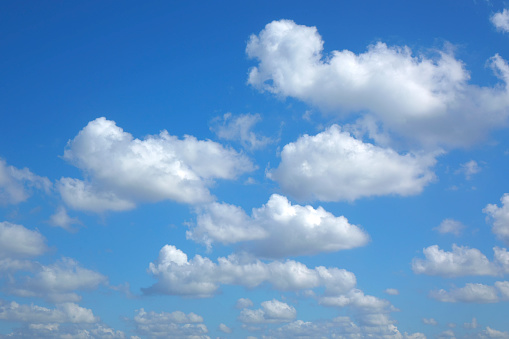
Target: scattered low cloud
pixel 122 170
pixel 243 303
pixel 501 20
pixel 473 293
pixel 63 220
pixel 334 166
pixel 471 325
pixel 169 325
pixel 239 128
pixel 278 229
pixel 461 261
pixel 391 291
pixel 429 321
pixel 225 329
pixel 201 277
pixel 450 226
pixel 16 184
pixel 469 169
pixel 58 282
pixel 17 242
pixel 273 311
pixel 63 313
pixel 500 218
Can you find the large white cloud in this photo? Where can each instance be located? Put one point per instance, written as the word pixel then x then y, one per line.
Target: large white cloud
pixel 272 311
pixel 63 313
pixel 424 99
pixel 461 261
pixel 16 184
pixel 17 241
pixel 501 20
pixel 333 165
pixel 122 170
pixel 169 325
pixel 58 282
pixel 500 217
pixel 277 229
pixel 201 277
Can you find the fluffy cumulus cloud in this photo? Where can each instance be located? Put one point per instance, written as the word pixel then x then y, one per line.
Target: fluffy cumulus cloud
pixel 169 325
pixel 122 170
pixel 201 277
pixel 333 166
pixel 501 20
pixel 422 98
pixel 500 218
pixel 63 313
pixel 239 128
pixel 16 184
pixel 17 241
pixel 461 261
pixel 469 169
pixel 273 311
pixel 58 282
pixel 450 226
pixel 277 229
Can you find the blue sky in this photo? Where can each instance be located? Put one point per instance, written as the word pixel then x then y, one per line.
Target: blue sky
pixel 254 169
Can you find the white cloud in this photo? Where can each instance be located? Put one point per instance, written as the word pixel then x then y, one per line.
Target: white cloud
pixel 469 169
pixel 68 331
pixel 500 217
pixel 471 325
pixel 238 128
pixel 358 300
pixel 471 293
pixel 122 170
pixel 333 166
pixel 225 329
pixel 424 99
pixel 63 313
pixel 58 282
pixel 169 325
pixel 462 261
pixel 200 277
pixel 277 229
pixel 430 321
pixel 243 303
pixel 63 220
pixel 501 20
pixel 492 333
pixel 273 311
pixel 391 291
pixel 16 184
pixel 17 241
pixel 450 226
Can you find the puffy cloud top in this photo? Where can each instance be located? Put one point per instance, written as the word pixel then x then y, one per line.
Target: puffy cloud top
pixel 333 166
pixel 124 170
pixel 278 229
pixel 17 241
pixel 427 100
pixel 501 20
pixel 15 184
pixel 201 277
pixel 500 217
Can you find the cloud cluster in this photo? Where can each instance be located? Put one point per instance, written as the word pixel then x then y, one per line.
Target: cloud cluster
pixel 169 325
pixel 16 184
pixel 461 261
pixel 278 229
pixel 201 277
pixel 421 98
pixel 500 218
pixel 63 313
pixel 122 170
pixel 17 241
pixel 334 166
pixel 58 282
pixel 273 311
pixel 474 293
pixel 501 20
